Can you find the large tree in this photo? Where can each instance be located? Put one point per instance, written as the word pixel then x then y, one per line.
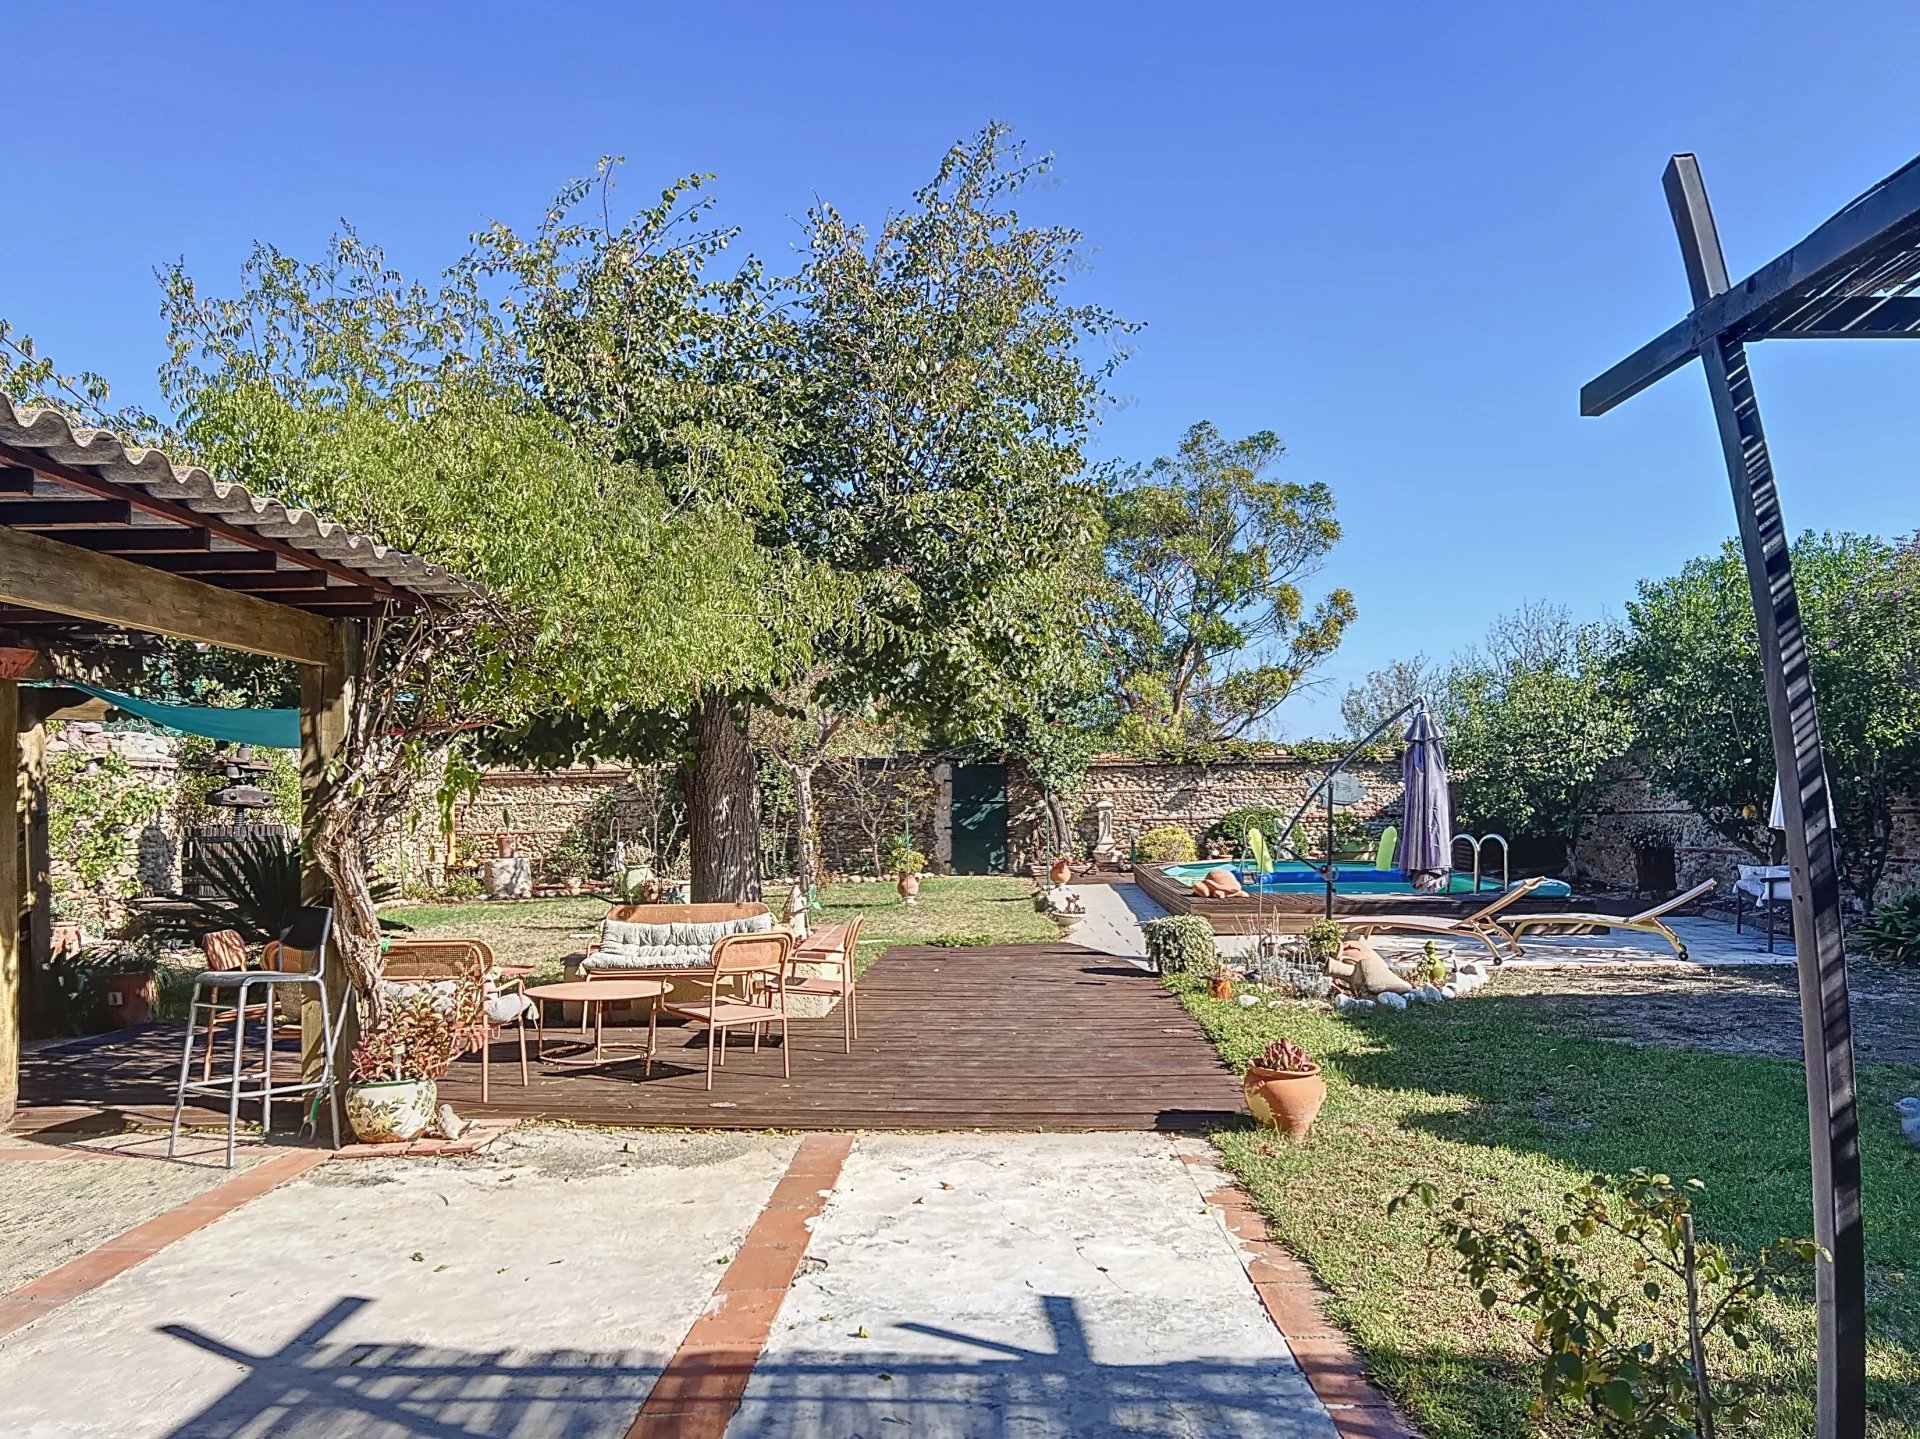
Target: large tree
pixel 1207 631
pixel 902 422
pixel 1533 722
pixel 392 406
pixel 1386 691
pixel 1691 666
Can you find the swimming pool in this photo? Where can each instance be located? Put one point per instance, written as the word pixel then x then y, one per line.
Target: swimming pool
pixel 1294 877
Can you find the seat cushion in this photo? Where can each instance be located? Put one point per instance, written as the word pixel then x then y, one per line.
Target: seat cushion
pixel 628 944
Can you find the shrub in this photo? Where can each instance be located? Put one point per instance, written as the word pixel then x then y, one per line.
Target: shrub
pixel 1654 1384
pixel 1182 944
pixel 960 940
pixel 1322 940
pixel 1165 844
pixel 1892 931
pixel 461 887
pixel 1234 824
pixel 902 858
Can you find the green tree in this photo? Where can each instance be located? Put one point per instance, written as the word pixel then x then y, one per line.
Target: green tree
pixel 903 420
pixel 1691 665
pixel 1533 723
pixel 1385 691
pixel 1207 554
pixel 390 405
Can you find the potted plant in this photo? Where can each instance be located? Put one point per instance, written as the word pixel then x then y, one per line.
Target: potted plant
pixel 905 863
pixel 1065 909
pixel 397 1067
pixel 1285 1090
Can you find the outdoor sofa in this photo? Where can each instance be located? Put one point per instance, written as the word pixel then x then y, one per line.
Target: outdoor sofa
pixel 640 937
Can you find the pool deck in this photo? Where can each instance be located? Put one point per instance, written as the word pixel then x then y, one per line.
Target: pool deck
pixel 1291 913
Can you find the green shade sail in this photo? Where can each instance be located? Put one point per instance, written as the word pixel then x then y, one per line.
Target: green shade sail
pixel 271 729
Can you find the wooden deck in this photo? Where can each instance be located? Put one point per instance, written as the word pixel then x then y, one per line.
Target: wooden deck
pixel 1007 1037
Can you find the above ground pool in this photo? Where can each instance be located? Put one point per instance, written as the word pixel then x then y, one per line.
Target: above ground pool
pixel 1295 877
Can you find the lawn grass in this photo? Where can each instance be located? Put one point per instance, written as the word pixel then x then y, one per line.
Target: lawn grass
pixel 542 932
pixel 1484 1095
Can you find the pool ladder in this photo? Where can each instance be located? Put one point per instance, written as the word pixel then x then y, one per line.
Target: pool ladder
pixel 1506 856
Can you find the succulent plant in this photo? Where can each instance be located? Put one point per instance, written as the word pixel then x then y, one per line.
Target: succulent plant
pixel 1283 1056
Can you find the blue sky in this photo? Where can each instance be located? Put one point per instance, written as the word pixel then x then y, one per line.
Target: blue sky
pixel 1402 235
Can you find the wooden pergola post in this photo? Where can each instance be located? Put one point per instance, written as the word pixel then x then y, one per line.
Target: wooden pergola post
pixel 326 699
pixel 11 895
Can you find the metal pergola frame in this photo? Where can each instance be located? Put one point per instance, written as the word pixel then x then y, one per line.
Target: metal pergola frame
pixel 1856 276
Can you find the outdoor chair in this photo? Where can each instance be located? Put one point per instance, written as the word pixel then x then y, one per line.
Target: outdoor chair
pixel 834 948
pixel 1648 921
pixel 302 956
pixel 759 963
pixel 412 963
pixel 226 952
pixel 1483 924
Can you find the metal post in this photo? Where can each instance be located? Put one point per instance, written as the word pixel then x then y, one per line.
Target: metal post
pixel 1825 1019
pixel 1330 846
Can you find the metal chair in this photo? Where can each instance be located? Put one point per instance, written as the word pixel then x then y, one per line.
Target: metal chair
pixel 761 956
pixel 303 960
pixel 835 952
pixel 432 961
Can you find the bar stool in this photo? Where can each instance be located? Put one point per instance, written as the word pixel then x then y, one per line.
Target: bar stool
pixel 303 960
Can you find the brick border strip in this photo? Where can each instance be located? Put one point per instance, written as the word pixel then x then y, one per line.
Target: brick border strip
pixel 696 1396
pixel 87 1272
pixel 1295 1303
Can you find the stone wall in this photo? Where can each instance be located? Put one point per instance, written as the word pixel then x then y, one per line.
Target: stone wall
pixel 1631 809
pixel 1629 806
pixel 150 863
pixel 1147 793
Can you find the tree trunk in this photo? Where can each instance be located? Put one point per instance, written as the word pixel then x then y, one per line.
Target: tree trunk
pixel 1060 840
pixel 723 807
pixel 806 869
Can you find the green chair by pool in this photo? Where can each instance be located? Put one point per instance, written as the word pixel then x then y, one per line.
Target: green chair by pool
pixel 1389 842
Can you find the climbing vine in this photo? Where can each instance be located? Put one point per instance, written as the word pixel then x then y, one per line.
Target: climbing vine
pixel 95 812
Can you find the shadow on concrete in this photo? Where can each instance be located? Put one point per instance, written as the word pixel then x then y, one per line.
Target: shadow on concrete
pixel 315 1387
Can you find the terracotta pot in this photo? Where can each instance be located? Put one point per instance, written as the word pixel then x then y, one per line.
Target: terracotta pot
pixel 129 997
pixel 1284 1101
pixel 1062 871
pixel 392 1110
pixel 909 887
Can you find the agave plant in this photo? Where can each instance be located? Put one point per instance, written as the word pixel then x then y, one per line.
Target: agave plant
pixel 253 885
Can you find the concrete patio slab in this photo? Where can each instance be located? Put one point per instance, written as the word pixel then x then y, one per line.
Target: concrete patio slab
pixel 59 1200
pixel 1041 1285
pixel 534 1290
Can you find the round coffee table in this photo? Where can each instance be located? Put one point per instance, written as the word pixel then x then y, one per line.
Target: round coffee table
pixel 595 994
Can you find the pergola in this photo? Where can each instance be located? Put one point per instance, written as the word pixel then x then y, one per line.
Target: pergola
pixel 1856 276
pixel 99 541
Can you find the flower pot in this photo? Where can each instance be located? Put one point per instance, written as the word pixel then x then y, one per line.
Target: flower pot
pixel 392 1110
pixel 1285 1101
pixel 129 997
pixel 909 887
pixel 1062 871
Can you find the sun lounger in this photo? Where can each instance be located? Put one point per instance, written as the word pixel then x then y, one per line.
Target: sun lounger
pixel 1648 921
pixel 1482 924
